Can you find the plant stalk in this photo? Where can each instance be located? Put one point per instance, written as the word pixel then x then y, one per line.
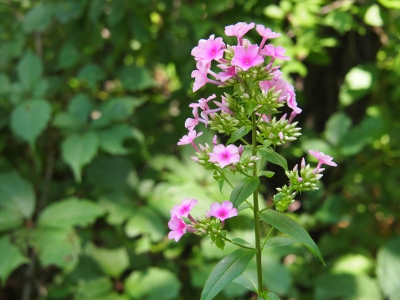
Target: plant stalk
pixel 256 209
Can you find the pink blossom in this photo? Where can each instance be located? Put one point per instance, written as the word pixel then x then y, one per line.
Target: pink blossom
pixel 178 228
pixel 210 49
pixel 224 156
pixel 291 98
pixel 183 209
pixel 238 30
pixel 266 33
pixel 188 139
pixel 246 58
pixel 322 159
pixel 227 72
pixel 274 52
pixel 200 75
pixel 223 210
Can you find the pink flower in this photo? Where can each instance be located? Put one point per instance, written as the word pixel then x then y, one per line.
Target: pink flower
pixel 238 30
pixel 224 156
pixel 210 49
pixel 246 58
pixel 200 75
pixel 266 33
pixel 188 139
pixel 322 159
pixel 183 209
pixel 291 99
pixel 178 228
pixel 274 52
pixel 227 72
pixel 223 210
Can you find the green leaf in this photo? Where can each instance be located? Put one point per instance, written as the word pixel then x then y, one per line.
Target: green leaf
pixel 80 107
pixel 29 70
pixel 92 74
pixel 11 258
pixel 239 241
pixel 9 219
pixel 29 119
pixel 67 10
pixel 112 261
pixel 243 190
pixel 60 247
pixel 111 139
pixel 388 268
pixel 70 212
pixel 336 128
pixel 281 241
pixel 273 296
pixel 5 85
pixel 373 17
pixel 289 226
pixel 273 157
pixel 17 195
pixel 248 279
pixel 93 289
pixel 226 271
pixel 78 150
pixel 38 18
pixel 146 221
pixel 153 284
pixel 238 134
pixel 67 121
pixel 135 78
pixel 268 174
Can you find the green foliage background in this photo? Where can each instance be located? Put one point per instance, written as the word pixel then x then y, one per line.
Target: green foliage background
pixel 93 98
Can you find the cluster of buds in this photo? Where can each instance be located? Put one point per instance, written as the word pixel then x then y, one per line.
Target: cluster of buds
pixel 301 180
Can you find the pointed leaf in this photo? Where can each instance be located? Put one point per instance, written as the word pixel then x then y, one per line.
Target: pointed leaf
pixel 289 226
pixel 29 70
pixel 9 219
pixel 273 157
pixel 57 246
pixel 248 280
pixel 226 271
pixel 273 296
pixel 268 174
pixel 238 134
pixel 17 195
pixel 281 241
pixel 243 190
pixel 70 212
pixel 111 139
pixel 11 258
pixel 113 261
pixel 30 118
pixel 78 150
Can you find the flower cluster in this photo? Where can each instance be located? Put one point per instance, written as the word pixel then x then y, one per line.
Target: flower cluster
pixel 303 179
pixel 258 92
pixel 205 225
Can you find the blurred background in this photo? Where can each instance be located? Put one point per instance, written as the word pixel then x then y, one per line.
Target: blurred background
pixel 93 99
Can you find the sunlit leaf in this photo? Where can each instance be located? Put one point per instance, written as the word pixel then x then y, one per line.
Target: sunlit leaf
pixel 11 258
pixel 17 195
pixel 289 226
pixel 78 150
pixel 70 212
pixel 30 118
pixel 112 261
pixel 226 271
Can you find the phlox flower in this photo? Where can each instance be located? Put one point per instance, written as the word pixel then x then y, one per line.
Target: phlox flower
pixel 208 50
pixel 238 30
pixel 200 75
pixel 227 72
pixel 188 139
pixel 291 98
pixel 224 156
pixel 322 159
pixel 266 33
pixel 183 209
pixel 246 58
pixel 222 211
pixel 178 228
pixel 274 52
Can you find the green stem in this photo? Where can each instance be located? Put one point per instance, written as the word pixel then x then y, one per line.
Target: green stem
pixel 256 209
pixel 239 245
